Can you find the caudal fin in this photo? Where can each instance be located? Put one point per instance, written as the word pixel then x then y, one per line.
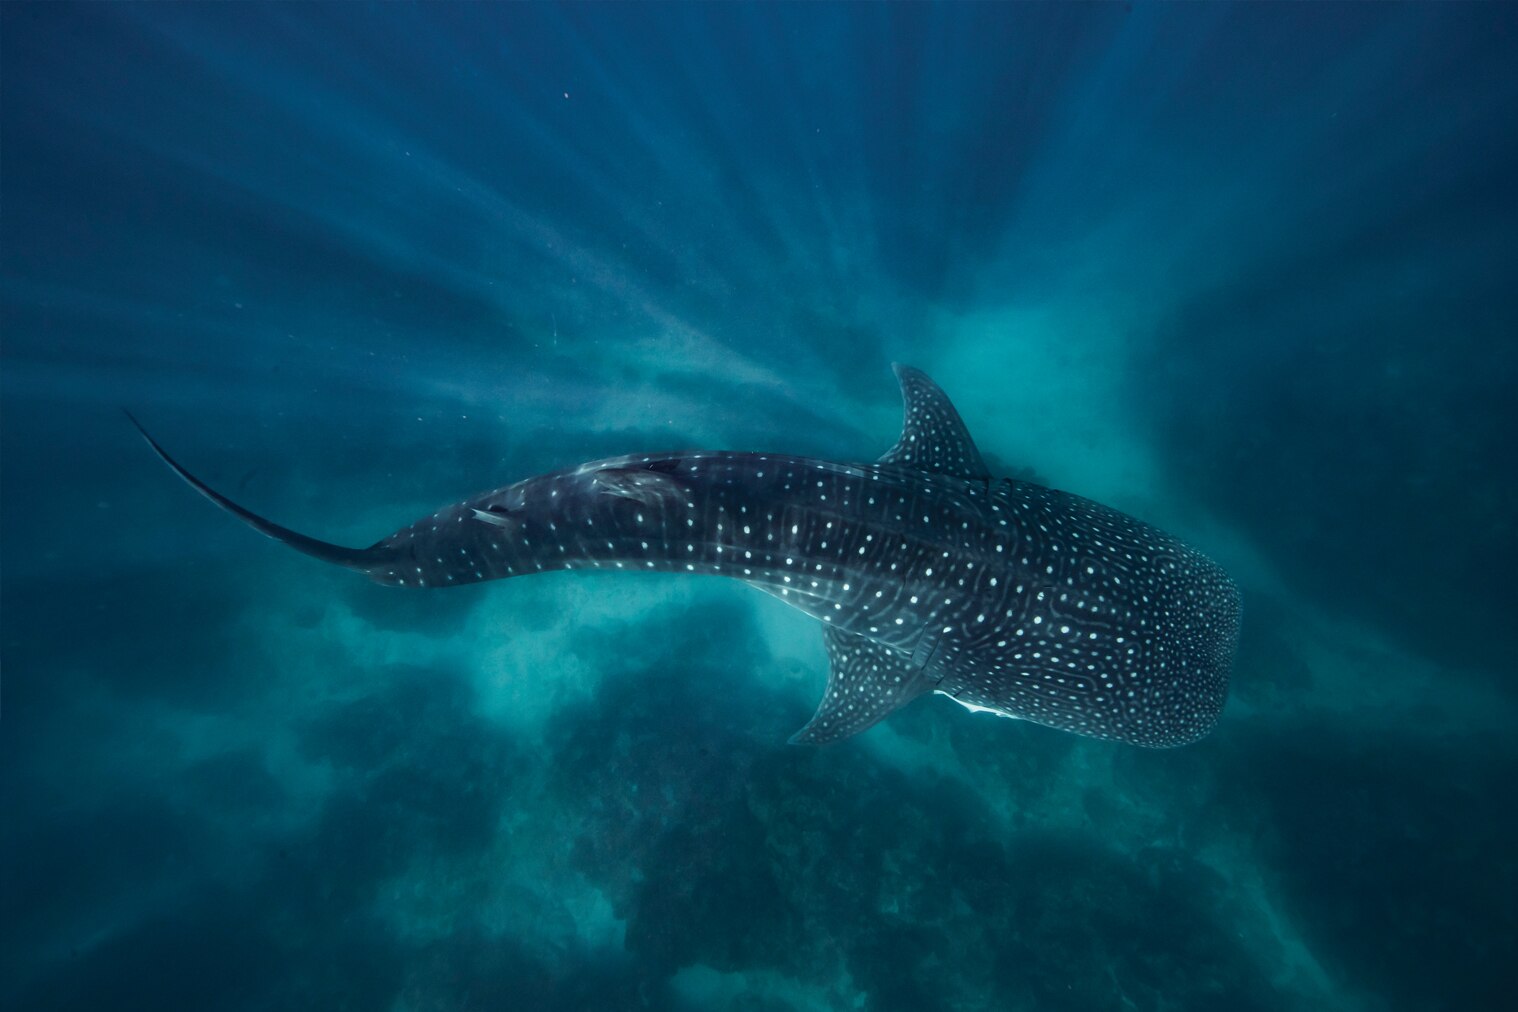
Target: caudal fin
pixel 362 559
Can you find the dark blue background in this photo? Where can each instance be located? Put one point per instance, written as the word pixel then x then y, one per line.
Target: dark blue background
pixel 1248 271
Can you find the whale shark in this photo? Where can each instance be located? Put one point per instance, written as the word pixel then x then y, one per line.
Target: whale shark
pixel 926 573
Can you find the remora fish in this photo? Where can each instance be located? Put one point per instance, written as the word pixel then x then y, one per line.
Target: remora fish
pixel 927 574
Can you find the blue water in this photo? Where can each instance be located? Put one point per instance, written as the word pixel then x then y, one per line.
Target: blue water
pixel 1247 272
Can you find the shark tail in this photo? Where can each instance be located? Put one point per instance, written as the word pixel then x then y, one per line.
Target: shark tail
pixel 361 559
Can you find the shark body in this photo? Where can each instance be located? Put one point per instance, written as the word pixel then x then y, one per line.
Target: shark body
pixel 926 574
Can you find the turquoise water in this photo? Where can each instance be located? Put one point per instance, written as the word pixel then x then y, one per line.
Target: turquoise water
pixel 1246 272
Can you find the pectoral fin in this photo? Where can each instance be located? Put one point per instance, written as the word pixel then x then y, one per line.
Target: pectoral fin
pixel 866 682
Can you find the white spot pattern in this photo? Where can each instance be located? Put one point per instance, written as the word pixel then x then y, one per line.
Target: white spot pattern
pixel 1008 596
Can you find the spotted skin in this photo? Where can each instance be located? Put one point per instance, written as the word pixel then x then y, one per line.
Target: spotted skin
pixel 927 575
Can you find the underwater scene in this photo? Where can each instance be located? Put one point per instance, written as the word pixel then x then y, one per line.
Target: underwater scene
pixel 1016 502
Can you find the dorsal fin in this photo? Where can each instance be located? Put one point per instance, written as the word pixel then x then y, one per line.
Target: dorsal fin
pixel 933 437
pixel 866 682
